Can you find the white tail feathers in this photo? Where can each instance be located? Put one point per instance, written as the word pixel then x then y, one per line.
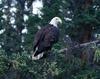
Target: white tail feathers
pixel 35 50
pixel 38 56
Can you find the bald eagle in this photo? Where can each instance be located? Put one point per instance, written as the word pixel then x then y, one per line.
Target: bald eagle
pixel 45 38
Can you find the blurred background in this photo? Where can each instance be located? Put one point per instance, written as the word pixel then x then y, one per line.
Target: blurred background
pixel 75 56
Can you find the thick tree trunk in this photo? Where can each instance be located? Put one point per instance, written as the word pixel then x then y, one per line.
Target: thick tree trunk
pixel 87 54
pixel 86 37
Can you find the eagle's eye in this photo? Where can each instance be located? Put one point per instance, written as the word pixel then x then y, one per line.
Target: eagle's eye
pixel 56 19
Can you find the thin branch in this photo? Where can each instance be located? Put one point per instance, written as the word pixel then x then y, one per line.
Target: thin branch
pixel 80 45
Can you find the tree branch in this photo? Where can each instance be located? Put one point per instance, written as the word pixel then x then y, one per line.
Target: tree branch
pixel 80 45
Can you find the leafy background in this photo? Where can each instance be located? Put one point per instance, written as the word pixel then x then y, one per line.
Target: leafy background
pixel 81 22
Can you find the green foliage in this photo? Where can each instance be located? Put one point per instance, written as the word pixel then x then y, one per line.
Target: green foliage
pixel 56 66
pixel 32 24
pixel 15 61
pixel 3 67
pixel 97 55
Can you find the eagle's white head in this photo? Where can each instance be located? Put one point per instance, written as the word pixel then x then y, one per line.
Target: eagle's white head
pixel 55 21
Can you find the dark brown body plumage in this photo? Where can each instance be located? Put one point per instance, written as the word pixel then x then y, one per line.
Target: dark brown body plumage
pixel 45 38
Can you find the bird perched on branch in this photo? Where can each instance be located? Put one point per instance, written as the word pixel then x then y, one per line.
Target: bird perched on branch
pixel 45 38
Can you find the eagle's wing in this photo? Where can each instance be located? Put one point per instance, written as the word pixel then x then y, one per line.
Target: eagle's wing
pixel 45 38
pixel 38 37
pixel 51 37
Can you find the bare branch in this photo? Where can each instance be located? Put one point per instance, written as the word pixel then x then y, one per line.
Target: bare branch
pixel 80 45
